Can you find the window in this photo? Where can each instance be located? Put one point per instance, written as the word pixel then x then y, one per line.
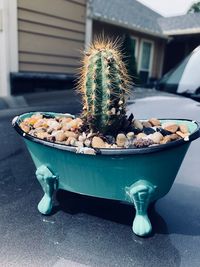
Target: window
pixel 134 44
pixel 145 62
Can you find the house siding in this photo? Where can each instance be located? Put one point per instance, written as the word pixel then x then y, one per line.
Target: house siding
pixel 51 35
pixel 158 43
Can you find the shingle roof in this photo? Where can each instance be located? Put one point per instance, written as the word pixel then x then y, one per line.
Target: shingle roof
pixel 180 24
pixel 134 15
pixel 128 13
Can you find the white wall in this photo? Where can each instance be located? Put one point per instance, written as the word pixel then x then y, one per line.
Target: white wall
pixel 8 43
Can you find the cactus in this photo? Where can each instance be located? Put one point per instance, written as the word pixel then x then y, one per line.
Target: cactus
pixel 104 84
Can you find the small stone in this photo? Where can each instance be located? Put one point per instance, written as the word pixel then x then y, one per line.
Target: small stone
pixel 107 145
pixel 130 135
pixel 40 123
pixel 156 137
pixel 168 123
pixel 97 142
pixel 37 116
pixel 87 142
pixel 60 136
pixel 74 123
pixel 182 135
pixel 53 124
pixel 91 134
pixel 113 111
pixel 183 128
pixel 65 120
pixel 163 131
pixel 121 140
pixel 139 143
pixel 154 122
pixel 49 130
pixel 148 130
pixel 70 134
pixel 110 139
pixel 51 138
pixel 146 124
pixel 67 142
pixel 114 146
pixel 72 140
pixel 31 121
pixel 24 127
pixel 81 139
pixel 42 135
pixel 174 137
pixel 84 136
pixel 171 128
pixel 165 140
pixel 66 127
pixel 138 125
pixel 78 144
pixel 141 135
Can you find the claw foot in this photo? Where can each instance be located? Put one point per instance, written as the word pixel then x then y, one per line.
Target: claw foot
pixel 48 182
pixel 140 193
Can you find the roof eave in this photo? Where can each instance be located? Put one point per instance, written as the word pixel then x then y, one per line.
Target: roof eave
pixel 182 31
pixel 128 26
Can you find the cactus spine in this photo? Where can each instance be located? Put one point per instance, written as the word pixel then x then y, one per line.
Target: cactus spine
pixel 104 83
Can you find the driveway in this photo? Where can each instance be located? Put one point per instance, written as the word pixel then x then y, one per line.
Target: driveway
pixel 85 231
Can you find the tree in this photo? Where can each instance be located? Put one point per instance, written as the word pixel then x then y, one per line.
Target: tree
pixel 195 8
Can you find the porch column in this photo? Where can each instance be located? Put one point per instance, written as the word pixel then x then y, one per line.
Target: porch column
pixel 8 44
pixel 88 28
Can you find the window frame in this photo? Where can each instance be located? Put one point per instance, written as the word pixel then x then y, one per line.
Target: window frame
pixel 151 57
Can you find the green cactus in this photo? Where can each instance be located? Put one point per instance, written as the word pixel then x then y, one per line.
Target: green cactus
pixel 104 84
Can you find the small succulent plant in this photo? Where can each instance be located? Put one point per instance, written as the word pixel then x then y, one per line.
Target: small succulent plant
pixel 104 85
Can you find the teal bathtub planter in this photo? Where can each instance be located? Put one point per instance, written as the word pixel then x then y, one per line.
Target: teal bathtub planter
pixel 137 176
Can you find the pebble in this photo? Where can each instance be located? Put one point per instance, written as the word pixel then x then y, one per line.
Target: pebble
pixel 69 139
pixel 90 135
pixel 163 131
pixel 70 134
pixel 97 142
pixel 60 136
pixel 121 140
pixel 25 127
pixel 171 128
pixel 53 124
pixel 148 130
pixel 107 145
pixel 110 139
pixel 87 142
pixel 183 128
pixel 139 143
pixel 182 135
pixel 154 122
pixel 156 137
pixel 141 135
pixel 174 137
pixel 146 124
pixel 138 125
pixel 72 140
pixel 130 135
pixel 78 144
pixel 165 140
pixel 40 123
pixel 42 135
pixel 31 121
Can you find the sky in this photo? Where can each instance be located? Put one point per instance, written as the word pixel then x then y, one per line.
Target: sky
pixel 169 7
